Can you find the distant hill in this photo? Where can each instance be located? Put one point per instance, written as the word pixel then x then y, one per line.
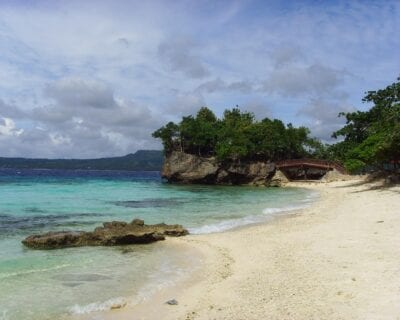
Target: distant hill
pixel 142 160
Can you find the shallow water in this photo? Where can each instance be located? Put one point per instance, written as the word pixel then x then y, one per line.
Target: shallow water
pixel 47 284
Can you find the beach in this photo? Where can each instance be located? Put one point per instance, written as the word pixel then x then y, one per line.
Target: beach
pixel 337 259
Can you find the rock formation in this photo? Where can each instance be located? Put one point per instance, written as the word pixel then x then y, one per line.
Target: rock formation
pixel 110 234
pixel 335 175
pixel 279 179
pixel 188 168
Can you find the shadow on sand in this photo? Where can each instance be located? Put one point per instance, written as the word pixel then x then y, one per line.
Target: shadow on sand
pixel 377 181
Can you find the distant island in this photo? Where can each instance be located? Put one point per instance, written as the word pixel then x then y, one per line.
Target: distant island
pixel 142 160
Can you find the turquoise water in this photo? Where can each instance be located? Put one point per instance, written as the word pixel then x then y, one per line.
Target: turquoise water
pixel 51 284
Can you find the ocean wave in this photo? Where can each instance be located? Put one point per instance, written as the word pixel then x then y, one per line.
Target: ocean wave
pixel 270 211
pixel 165 276
pixel 227 225
pixel 96 306
pixel 267 213
pixel 26 272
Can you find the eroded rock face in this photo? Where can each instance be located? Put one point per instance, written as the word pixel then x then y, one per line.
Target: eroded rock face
pixel 187 168
pixel 279 179
pixel 110 234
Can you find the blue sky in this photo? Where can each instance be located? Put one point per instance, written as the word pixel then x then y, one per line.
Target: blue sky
pixel 95 78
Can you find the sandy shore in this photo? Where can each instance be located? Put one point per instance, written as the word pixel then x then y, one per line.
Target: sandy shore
pixel 338 259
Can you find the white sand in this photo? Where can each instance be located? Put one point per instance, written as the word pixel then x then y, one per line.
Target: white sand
pixel 339 259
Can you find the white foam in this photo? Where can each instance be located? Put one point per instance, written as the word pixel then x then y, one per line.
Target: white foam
pixel 163 278
pixel 226 225
pixel 283 209
pixel 267 213
pixel 96 306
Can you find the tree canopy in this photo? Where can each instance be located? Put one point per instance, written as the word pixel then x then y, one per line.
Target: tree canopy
pixel 372 138
pixel 369 138
pixel 236 136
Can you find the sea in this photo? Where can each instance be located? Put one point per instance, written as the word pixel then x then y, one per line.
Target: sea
pixel 58 284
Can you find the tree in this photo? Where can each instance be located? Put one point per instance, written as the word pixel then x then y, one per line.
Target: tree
pixel 206 135
pixel 372 138
pixel 235 137
pixel 168 135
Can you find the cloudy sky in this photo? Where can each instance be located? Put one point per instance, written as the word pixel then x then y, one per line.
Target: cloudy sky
pixel 95 78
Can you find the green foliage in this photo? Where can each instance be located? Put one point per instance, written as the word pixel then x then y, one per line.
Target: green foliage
pixel 372 137
pixel 354 165
pixel 168 135
pixel 237 136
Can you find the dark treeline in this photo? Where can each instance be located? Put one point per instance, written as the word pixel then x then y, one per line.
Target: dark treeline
pixel 142 160
pixel 369 139
pixel 236 136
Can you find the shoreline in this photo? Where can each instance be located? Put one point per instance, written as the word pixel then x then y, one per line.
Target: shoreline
pixel 143 307
pixel 301 265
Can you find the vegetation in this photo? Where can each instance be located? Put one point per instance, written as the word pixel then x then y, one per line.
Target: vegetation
pixel 371 138
pixel 237 136
pixel 142 160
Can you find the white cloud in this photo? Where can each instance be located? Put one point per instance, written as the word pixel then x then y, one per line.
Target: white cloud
pixel 98 78
pixel 8 128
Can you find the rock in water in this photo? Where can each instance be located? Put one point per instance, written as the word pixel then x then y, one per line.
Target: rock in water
pixel 118 306
pixel 110 234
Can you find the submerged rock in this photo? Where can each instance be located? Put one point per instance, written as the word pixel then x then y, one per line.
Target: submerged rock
pixel 110 234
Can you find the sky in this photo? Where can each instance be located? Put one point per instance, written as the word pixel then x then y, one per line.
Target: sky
pixel 84 79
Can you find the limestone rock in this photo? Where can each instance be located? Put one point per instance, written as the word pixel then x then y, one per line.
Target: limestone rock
pixel 335 175
pixel 188 168
pixel 110 234
pixel 279 179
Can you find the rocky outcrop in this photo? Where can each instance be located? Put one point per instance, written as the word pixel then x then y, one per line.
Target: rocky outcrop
pixel 335 175
pixel 254 173
pixel 110 234
pixel 187 168
pixel 279 179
